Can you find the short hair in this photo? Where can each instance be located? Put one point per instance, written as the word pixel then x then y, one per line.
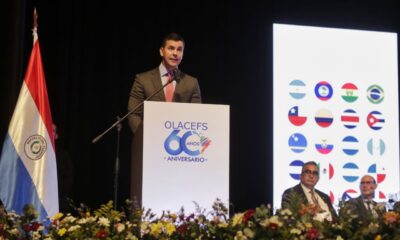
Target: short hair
pixel 309 163
pixel 172 36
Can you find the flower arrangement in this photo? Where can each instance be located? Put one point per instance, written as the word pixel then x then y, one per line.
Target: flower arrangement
pixel 134 223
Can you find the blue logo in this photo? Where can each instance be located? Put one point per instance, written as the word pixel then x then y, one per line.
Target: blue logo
pixel 350 145
pixel 191 143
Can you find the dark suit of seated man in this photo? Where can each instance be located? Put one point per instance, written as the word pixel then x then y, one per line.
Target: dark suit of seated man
pixel 308 195
pixel 364 207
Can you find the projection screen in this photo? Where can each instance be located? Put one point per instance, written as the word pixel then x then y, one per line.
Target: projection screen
pixel 335 103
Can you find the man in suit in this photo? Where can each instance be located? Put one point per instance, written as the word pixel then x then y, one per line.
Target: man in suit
pixel 364 206
pixel 305 193
pixel 184 88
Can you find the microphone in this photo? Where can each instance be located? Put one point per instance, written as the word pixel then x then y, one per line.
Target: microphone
pixel 176 74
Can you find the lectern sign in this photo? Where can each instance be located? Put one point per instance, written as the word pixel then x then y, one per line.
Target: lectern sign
pixel 185 155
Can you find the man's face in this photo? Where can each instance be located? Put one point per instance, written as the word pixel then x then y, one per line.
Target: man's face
pixel 172 53
pixel 367 186
pixel 310 176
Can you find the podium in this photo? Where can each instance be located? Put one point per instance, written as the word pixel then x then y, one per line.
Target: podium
pixel 185 156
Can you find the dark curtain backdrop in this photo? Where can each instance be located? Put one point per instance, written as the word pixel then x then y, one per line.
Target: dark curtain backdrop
pixel 92 50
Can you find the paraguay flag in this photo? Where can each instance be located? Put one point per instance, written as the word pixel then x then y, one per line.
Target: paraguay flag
pixel 28 164
pixel 324 118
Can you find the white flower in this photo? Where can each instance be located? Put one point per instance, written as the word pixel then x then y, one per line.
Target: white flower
pixel 339 238
pixel 295 231
pixel 73 228
pixel 104 222
pixel 120 227
pixel 286 212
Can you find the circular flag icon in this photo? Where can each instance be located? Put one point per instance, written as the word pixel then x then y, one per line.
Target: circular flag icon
pixel 349 194
pixel 376 147
pixel 350 172
pixel 295 118
pixel 323 90
pixel 350 145
pixel 324 146
pixel 375 94
pixel 380 177
pixel 350 118
pixel 295 169
pixel 297 142
pixel 297 89
pixel 323 118
pixel 349 92
pixel 375 120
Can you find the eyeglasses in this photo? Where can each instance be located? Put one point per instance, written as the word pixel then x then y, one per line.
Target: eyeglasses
pixel 309 172
pixel 366 183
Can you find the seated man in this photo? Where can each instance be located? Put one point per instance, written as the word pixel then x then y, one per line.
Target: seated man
pixel 308 195
pixel 364 206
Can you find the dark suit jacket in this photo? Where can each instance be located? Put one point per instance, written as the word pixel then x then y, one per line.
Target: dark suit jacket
pixel 356 205
pixel 299 191
pixel 186 90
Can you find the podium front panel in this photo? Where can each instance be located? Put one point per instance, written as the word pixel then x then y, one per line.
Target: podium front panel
pixel 185 156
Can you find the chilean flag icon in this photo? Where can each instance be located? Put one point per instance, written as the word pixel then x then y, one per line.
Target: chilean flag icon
pixel 295 118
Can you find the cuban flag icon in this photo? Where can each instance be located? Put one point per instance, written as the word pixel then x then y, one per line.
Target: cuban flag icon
pixel 295 118
pixel 323 90
pixel 349 194
pixel 375 120
pixel 297 89
pixel 297 142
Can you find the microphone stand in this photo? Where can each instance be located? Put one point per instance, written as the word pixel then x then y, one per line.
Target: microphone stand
pixel 116 167
pixel 96 139
pixel 118 125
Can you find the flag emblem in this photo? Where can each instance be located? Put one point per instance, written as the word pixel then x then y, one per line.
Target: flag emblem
pixel 349 92
pixel 330 172
pixel 35 147
pixel 296 169
pixel 350 118
pixel 295 118
pixel 375 94
pixel 349 169
pixel 376 147
pixel 323 118
pixel 350 145
pixel 349 194
pixel 297 142
pixel 323 90
pixel 380 177
pixel 324 147
pixel 375 120
pixel 297 89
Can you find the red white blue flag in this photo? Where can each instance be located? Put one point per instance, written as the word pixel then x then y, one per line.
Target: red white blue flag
pixel 28 163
